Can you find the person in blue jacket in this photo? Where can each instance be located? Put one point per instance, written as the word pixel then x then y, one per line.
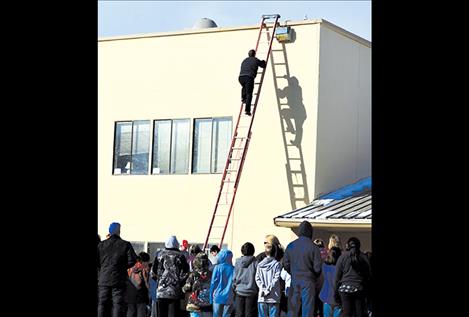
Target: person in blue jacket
pixel 331 308
pixel 221 291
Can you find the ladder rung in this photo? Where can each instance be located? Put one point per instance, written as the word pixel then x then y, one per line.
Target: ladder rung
pixel 232 170
pixel 240 137
pixel 236 159
pixel 296 172
pixel 280 63
pixel 221 215
pixel 237 148
pixel 228 181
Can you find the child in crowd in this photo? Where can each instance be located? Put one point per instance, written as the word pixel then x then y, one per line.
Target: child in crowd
pixel 268 281
pixel 198 284
pixel 244 282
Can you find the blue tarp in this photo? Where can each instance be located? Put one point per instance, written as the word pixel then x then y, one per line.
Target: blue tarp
pixel 349 190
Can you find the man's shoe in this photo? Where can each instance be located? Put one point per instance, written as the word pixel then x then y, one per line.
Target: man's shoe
pixel 247 113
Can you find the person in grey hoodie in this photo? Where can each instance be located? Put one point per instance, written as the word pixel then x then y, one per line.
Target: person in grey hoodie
pixel 268 281
pixel 302 261
pixel 244 282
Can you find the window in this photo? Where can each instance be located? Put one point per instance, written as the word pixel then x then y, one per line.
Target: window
pixel 131 147
pixel 139 246
pixel 212 139
pixel 171 140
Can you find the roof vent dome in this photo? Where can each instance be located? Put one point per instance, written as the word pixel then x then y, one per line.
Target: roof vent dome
pixel 205 23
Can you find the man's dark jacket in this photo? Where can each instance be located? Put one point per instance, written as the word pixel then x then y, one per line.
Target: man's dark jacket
pixel 115 256
pixel 249 66
pixel 302 257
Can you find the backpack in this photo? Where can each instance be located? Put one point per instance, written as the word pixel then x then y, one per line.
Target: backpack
pixel 136 275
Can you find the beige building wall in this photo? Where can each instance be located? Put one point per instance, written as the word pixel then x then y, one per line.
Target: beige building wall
pixel 194 74
pixel 344 115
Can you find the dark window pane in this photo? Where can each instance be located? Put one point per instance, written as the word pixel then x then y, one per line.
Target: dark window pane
pixel 139 246
pixel 140 147
pixel 122 148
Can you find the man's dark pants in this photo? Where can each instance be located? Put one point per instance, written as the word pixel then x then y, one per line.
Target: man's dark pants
pixel 246 93
pixel 112 297
pixel 302 295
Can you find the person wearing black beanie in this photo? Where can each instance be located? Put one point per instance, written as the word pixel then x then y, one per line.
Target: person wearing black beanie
pixel 302 261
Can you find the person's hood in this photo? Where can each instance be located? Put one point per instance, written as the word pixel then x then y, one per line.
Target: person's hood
pixel 172 243
pixel 201 262
pixel 246 260
pixel 305 230
pixel 268 263
pixel 225 256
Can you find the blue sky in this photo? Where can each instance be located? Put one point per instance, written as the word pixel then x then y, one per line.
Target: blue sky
pixel 134 17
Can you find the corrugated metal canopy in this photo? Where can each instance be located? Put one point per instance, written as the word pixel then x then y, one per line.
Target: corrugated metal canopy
pixel 353 211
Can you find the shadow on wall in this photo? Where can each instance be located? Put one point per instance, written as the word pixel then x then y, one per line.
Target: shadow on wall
pixel 296 110
pixel 292 115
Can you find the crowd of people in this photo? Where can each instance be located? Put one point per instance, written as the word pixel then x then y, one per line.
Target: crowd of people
pixel 304 279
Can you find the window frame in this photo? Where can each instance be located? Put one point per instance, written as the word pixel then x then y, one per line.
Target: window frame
pixel 170 147
pixel 131 147
pixel 211 144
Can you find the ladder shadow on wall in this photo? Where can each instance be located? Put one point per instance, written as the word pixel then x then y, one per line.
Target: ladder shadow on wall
pixel 292 115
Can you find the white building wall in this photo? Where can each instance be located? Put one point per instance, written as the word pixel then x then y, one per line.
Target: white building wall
pixel 343 153
pixel 196 76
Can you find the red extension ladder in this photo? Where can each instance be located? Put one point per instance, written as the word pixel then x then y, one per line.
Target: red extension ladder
pixel 239 144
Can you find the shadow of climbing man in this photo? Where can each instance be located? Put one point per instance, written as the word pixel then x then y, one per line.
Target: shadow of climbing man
pixel 296 110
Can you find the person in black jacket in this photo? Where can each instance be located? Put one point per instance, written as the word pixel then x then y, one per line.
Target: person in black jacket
pixel 171 269
pixel 351 280
pixel 246 78
pixel 115 256
pixel 302 261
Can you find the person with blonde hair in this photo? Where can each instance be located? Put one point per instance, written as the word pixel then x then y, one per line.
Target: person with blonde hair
pixel 334 241
pixel 278 252
pixel 270 239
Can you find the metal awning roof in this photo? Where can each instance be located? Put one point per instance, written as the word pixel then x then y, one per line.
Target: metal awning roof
pixel 353 211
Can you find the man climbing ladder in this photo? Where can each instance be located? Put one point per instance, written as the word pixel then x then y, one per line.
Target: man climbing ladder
pixel 246 78
pixel 242 134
